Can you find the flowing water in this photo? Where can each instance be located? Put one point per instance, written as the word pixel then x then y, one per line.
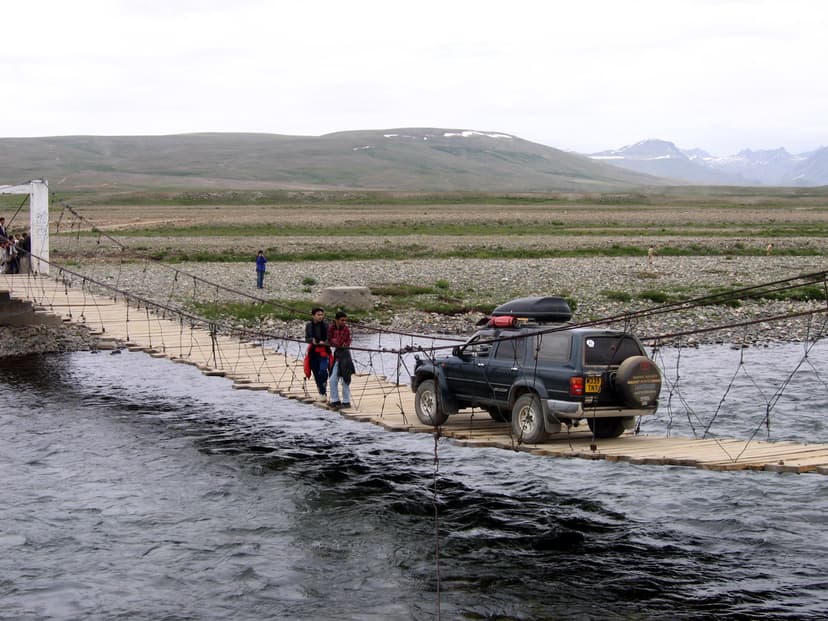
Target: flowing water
pixel 135 488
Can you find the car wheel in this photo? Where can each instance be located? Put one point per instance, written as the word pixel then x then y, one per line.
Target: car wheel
pixel 497 414
pixel 607 427
pixel 427 405
pixel 527 419
pixel 638 382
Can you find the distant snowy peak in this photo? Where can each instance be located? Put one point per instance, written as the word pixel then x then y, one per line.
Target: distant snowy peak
pixel 645 150
pixel 764 167
pixel 765 153
pixel 698 154
pixel 747 167
pixel 768 156
pixel 652 148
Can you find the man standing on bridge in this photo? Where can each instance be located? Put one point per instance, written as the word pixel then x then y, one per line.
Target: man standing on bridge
pixel 316 336
pixel 339 336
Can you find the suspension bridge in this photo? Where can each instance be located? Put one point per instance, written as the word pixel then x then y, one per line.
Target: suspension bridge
pixel 256 359
pixel 253 360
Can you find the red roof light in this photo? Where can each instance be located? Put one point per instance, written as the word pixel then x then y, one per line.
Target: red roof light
pixel 503 321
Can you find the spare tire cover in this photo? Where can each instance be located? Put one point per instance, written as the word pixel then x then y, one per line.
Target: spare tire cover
pixel 638 382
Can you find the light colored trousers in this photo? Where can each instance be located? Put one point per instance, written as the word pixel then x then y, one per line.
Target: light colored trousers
pixel 346 390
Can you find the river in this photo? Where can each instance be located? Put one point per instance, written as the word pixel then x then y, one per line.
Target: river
pixel 135 488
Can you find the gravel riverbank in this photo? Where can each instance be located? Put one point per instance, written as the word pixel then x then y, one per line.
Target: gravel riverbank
pixel 595 284
pixel 592 283
pixel 41 339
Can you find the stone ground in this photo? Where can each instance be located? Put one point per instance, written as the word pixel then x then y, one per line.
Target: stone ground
pixel 27 340
pixel 593 283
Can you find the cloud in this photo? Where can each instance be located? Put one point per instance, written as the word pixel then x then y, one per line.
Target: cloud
pixel 589 75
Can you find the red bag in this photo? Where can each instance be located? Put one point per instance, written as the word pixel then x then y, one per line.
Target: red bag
pixel 307 362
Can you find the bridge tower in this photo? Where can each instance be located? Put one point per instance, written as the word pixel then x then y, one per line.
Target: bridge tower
pixel 38 191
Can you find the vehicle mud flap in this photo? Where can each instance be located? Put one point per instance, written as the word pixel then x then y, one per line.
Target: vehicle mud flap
pixel 551 422
pixel 447 403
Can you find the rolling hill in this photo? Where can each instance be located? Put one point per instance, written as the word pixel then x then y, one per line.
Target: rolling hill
pixel 420 159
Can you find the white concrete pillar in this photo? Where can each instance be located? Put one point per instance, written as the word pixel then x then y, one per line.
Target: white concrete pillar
pixel 39 225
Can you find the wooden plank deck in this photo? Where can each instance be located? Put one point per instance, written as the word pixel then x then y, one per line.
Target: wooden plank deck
pixel 375 400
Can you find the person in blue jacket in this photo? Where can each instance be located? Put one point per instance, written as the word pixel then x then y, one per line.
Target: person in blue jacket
pixel 260 269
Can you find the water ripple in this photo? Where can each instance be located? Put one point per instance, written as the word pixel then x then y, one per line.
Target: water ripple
pixel 140 489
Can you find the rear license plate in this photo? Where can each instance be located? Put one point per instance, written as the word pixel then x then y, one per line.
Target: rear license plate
pixel 593 384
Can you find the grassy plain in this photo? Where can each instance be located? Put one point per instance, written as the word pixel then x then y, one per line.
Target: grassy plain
pixel 318 226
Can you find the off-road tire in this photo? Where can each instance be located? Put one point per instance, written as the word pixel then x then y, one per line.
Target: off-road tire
pixel 527 420
pixel 607 427
pixel 427 404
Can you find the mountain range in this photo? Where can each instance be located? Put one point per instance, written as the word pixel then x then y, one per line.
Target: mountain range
pixel 411 159
pixel 406 160
pixel 773 167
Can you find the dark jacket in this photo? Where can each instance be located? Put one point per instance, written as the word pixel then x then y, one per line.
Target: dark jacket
pixel 316 331
pixel 346 364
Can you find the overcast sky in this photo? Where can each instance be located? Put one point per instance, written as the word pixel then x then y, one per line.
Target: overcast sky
pixel 583 75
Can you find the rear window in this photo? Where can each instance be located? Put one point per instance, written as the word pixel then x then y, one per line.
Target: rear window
pixel 554 346
pixel 609 350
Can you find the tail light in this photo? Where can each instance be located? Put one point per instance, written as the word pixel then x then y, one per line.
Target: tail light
pixel 576 386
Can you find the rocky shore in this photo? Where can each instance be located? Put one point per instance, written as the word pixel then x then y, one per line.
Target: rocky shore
pixel 42 339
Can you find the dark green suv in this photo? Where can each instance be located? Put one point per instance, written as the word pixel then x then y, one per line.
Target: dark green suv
pixel 529 366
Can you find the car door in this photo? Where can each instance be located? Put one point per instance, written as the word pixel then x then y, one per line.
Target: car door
pixel 465 372
pixel 505 365
pixel 553 363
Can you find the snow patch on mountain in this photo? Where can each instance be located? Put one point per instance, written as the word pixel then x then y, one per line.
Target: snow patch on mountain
pixel 468 132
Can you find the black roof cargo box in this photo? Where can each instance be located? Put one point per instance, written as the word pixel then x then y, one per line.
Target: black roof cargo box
pixel 546 309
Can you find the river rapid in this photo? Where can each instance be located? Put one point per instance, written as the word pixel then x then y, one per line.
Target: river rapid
pixel 135 488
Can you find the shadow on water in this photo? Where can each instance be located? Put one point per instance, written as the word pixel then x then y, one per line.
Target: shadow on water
pixel 517 537
pixel 35 372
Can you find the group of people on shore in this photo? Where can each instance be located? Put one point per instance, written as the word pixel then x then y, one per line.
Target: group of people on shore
pixel 14 251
